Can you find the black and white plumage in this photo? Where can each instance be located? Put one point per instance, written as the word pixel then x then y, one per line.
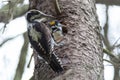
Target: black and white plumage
pixel 41 39
pixel 56 30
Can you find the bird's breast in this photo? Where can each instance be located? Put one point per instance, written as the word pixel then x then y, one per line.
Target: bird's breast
pixel 35 34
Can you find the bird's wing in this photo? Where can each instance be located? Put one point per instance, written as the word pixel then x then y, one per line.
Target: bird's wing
pixel 46 38
pixel 42 39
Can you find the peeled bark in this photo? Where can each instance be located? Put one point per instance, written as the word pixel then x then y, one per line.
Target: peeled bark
pixel 82 51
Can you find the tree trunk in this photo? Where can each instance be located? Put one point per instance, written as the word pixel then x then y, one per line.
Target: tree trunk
pixel 81 54
pixel 116 73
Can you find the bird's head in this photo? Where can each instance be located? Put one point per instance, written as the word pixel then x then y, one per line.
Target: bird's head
pixel 36 15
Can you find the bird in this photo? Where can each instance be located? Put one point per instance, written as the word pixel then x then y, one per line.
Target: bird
pixel 56 31
pixel 41 39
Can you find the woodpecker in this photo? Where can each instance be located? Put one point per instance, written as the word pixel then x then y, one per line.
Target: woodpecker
pixel 56 30
pixel 41 39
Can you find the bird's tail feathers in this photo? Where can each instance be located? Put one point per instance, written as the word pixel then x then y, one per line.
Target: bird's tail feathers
pixel 55 64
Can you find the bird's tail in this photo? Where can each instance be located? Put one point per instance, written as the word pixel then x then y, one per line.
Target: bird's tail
pixel 55 64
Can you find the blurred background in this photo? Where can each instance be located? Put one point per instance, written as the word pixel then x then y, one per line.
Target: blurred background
pixel 15 51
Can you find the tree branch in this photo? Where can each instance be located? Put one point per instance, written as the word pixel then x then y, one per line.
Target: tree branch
pixel 18 11
pixel 105 37
pixel 114 45
pixel 21 64
pixel 109 53
pixel 108 61
pixel 108 2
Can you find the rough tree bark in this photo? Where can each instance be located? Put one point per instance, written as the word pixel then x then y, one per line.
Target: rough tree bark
pixel 82 52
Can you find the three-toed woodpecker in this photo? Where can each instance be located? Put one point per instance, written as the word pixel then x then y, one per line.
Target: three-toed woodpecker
pixel 41 39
